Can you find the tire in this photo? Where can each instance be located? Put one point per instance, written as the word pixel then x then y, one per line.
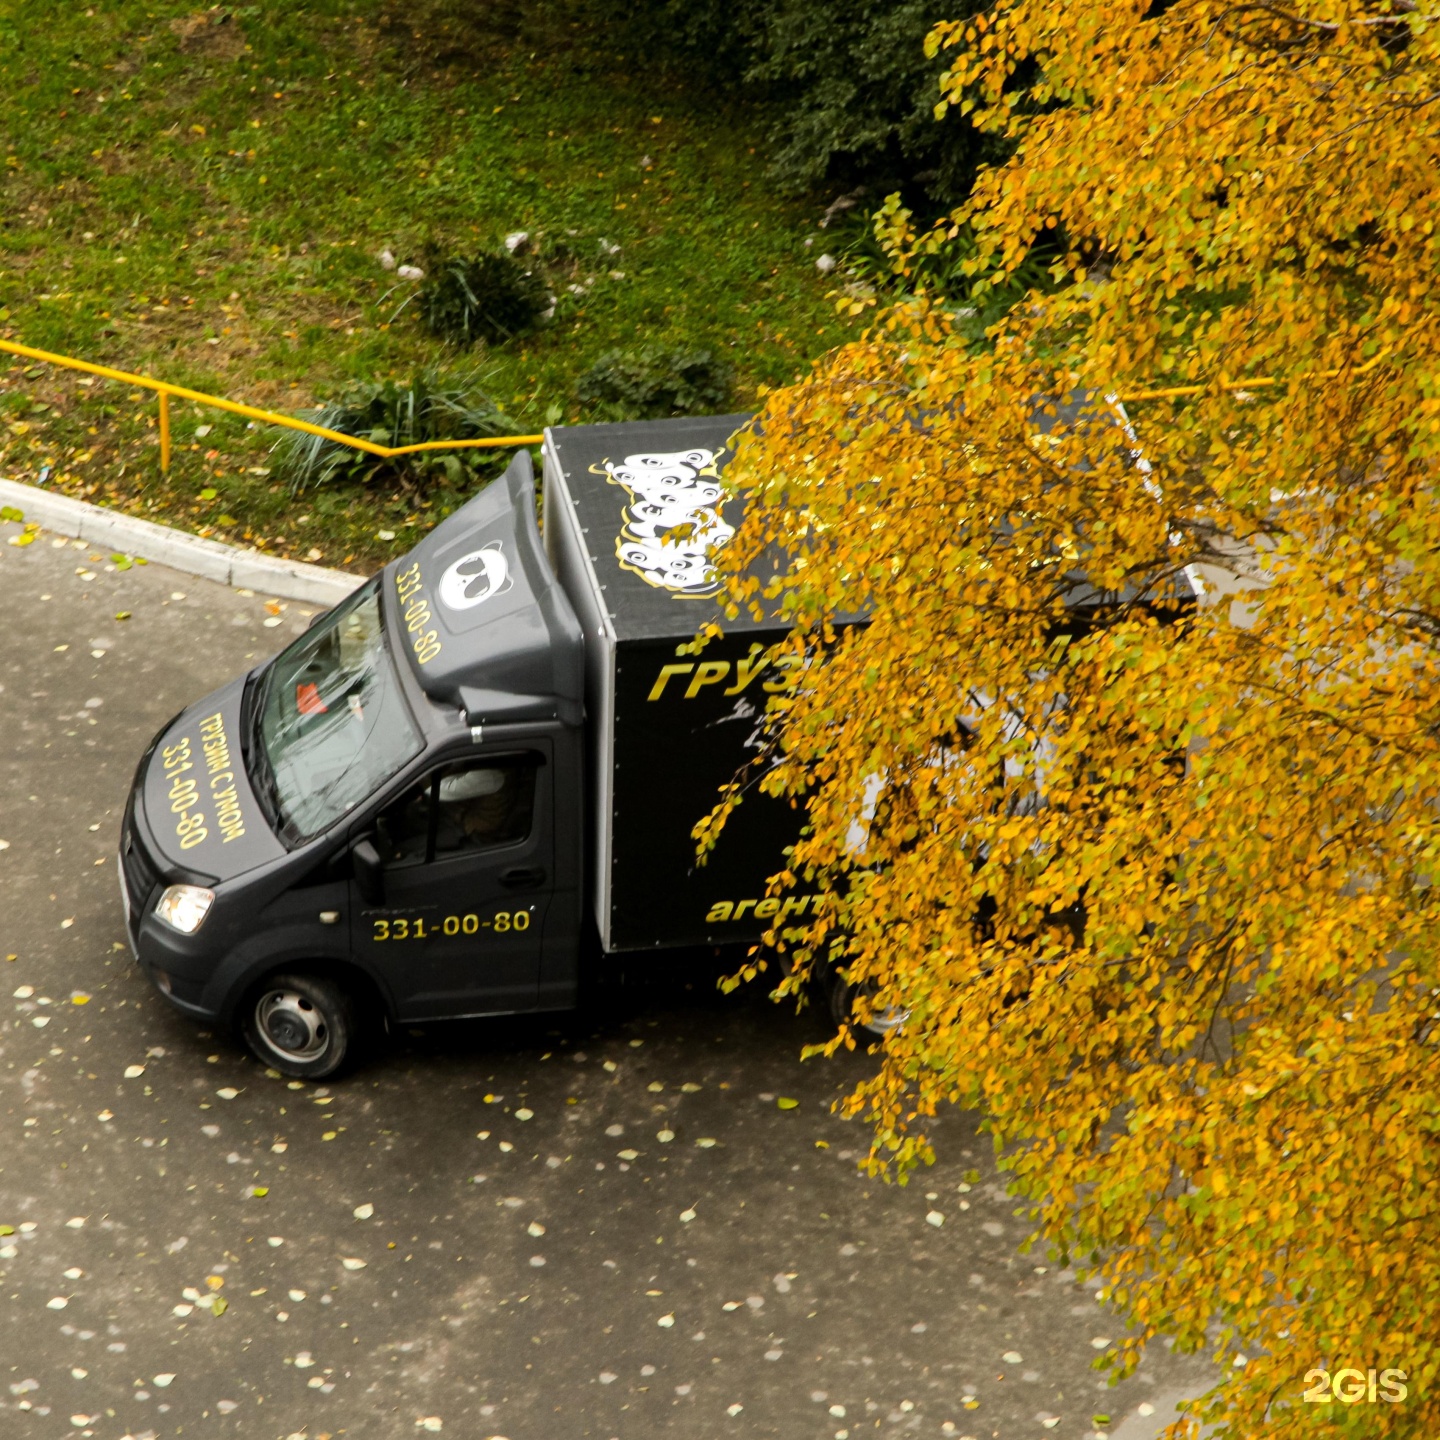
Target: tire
pixel 304 1026
pixel 842 995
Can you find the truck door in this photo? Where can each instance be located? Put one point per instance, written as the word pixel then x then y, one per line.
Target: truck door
pixel 467 875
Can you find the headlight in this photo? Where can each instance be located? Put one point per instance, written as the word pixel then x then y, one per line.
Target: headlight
pixel 184 907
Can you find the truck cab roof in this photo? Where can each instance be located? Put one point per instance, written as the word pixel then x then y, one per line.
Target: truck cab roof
pixel 485 625
pixel 481 617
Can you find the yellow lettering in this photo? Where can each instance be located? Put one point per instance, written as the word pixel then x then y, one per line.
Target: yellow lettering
pixel 720 910
pixel 794 905
pixel 666 671
pixel 223 778
pixel 710 672
pixel 214 744
pixel 766 908
pixel 227 810
pixel 746 670
pixel 784 664
pixel 742 907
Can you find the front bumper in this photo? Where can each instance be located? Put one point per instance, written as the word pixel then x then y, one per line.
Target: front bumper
pixel 168 986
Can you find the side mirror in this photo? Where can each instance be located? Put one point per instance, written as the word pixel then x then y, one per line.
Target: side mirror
pixel 369 872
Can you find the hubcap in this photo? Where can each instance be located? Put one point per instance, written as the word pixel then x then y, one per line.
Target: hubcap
pixel 882 1022
pixel 292 1025
pixel 886 1020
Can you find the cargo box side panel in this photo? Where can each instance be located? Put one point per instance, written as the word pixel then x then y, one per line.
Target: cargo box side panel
pixel 564 545
pixel 684 725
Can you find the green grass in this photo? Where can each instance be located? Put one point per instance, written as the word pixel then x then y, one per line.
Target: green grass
pixel 209 210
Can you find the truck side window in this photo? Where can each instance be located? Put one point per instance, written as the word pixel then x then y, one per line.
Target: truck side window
pixel 485 804
pixel 472 806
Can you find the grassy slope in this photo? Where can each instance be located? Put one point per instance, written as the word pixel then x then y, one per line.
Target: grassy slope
pixel 208 206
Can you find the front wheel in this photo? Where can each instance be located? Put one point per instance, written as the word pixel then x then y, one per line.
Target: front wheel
pixel 304 1026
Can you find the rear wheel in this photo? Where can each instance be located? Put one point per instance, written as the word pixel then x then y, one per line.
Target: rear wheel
pixel 302 1025
pixel 843 995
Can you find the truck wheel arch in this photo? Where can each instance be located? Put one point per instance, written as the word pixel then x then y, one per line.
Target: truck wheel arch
pixel 369 991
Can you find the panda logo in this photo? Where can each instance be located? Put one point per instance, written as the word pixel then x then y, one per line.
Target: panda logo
pixel 672 495
pixel 476 577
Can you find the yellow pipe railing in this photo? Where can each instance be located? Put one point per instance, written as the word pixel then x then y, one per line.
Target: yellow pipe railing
pixel 164 389
pixel 1260 382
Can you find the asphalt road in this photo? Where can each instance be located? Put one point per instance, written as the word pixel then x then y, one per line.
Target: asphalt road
pixel 587 1226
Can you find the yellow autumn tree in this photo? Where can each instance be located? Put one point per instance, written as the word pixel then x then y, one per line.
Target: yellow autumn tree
pixel 1152 883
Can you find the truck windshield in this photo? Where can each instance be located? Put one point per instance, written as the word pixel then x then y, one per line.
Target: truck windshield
pixel 330 723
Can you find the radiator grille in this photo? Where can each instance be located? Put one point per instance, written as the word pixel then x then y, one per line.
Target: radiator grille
pixel 140 875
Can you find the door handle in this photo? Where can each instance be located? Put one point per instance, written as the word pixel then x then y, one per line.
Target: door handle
pixel 523 877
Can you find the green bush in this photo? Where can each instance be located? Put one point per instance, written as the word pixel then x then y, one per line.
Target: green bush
pixel 491 297
pixel 941 272
pixel 655 383
pixel 395 415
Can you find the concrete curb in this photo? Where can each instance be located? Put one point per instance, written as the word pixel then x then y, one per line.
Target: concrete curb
pixel 110 530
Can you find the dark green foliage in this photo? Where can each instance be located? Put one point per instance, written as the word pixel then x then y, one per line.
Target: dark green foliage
pixel 857 98
pixel 491 296
pixel 653 383
pixel 846 84
pixel 942 272
pixel 393 415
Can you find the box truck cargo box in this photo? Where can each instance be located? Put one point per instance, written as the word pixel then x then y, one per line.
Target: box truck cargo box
pixel 666 729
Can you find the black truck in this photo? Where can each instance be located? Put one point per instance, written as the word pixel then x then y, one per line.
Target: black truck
pixel 483 765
